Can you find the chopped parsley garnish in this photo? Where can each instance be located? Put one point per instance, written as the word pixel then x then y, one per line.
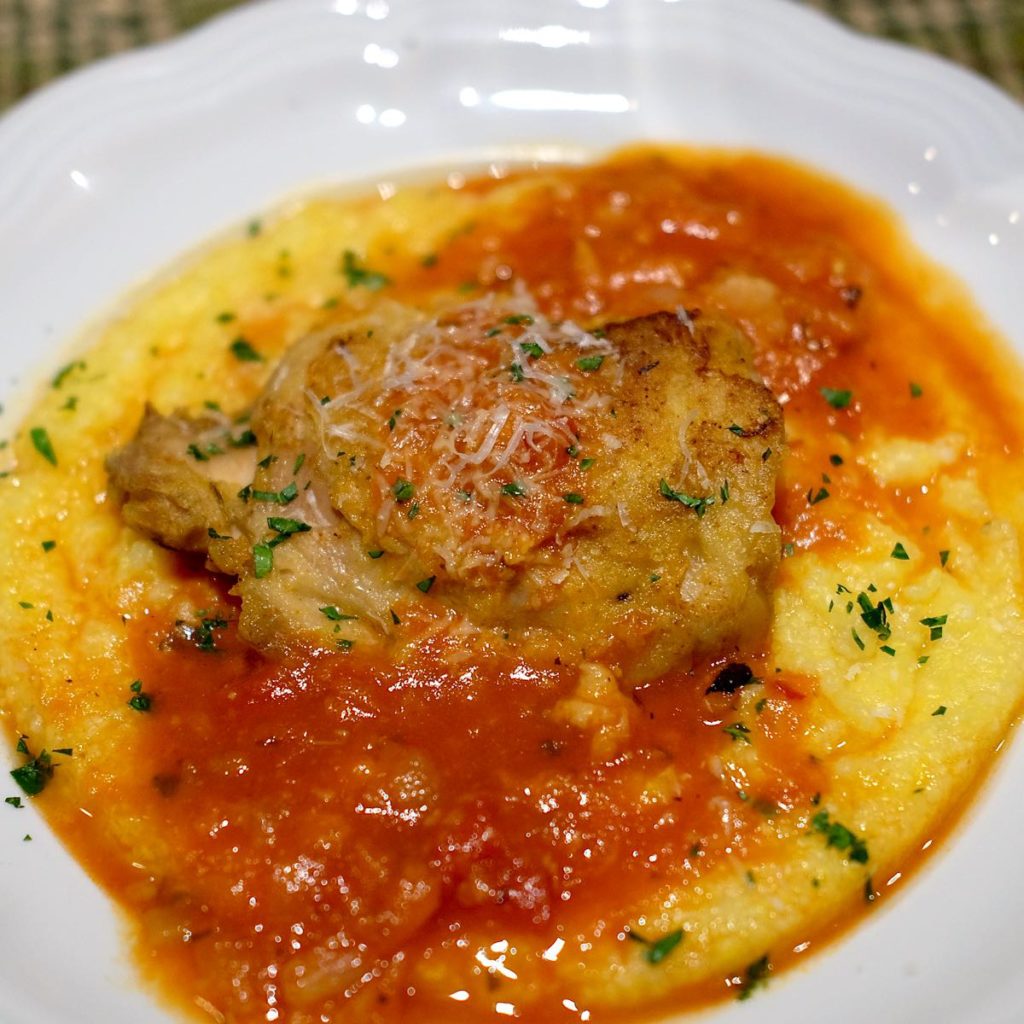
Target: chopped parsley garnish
pixel 814 497
pixel 699 505
pixel 14 801
pixel 943 557
pixel 935 624
pixel 244 352
pixel 356 274
pixel 262 560
pixel 840 837
pixel 886 649
pixel 267 460
pixel 876 616
pixel 225 318
pixel 900 552
pixel 573 498
pixel 43 444
pixel 589 364
pixel 756 977
pixel 334 615
pixel 532 349
pixel 393 419
pixel 202 635
pixel 253 228
pixel 518 318
pixel 65 371
pixel 139 700
pixel 916 391
pixel 856 639
pixel 300 460
pixel 282 497
pixel 738 731
pixel 286 527
pixel 375 554
pixel 940 710
pixel 516 372
pixel 32 776
pixel 214 535
pixel 723 492
pixel 346 645
pixel 513 490
pixel 736 429
pixel 414 510
pixel 49 545
pixel 394 618
pixel 203 454
pixel 585 464
pixel 403 490
pixel 837 398
pixel 655 950
pixel 424 585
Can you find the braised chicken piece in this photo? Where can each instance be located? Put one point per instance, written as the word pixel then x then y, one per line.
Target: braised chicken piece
pixel 600 494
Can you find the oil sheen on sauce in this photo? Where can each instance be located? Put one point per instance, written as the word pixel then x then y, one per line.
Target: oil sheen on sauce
pixel 356 840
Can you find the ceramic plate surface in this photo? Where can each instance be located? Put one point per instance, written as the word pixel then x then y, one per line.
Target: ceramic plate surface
pixel 108 176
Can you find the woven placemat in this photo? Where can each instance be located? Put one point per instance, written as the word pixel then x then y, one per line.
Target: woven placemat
pixel 41 39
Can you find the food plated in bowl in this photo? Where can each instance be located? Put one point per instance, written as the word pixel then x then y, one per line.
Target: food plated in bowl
pixel 336 274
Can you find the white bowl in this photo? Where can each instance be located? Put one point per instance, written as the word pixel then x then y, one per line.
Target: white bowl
pixel 110 174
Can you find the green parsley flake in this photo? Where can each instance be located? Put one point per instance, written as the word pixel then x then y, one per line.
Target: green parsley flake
pixel 424 585
pixel 14 801
pixel 756 977
pixel 656 950
pixel 518 318
pixel 590 364
pixel 287 494
pixel 738 731
pixel 840 837
pixel 900 552
pixel 838 399
pixel 516 372
pixel 814 497
pixel 836 460
pixel 262 560
pixel 532 349
pixel 225 318
pixel 49 545
pixel 916 390
pixel 243 351
pixel 699 505
pixel 43 444
pixel 358 275
pixel 943 558
pixel 375 554
pixel 403 490
pixel 32 776
pixel 935 624
pixel 940 710
pixel 334 615
pixel 513 490
pixel 65 371
pixel 139 701
pixel 573 499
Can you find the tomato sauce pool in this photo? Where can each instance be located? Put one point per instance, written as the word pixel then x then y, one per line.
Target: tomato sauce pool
pixel 348 835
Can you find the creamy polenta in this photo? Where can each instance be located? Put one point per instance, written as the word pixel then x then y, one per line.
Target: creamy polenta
pixel 563 591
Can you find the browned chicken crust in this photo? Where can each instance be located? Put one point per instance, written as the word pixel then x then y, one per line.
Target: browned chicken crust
pixel 585 495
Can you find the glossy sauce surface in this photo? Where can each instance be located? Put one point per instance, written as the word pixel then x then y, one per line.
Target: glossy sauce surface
pixel 356 840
